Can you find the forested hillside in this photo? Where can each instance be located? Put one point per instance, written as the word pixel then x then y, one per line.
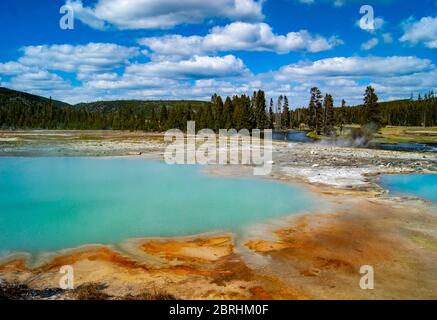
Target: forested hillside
pixel 20 110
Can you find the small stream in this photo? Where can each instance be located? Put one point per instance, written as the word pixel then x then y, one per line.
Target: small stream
pixel 292 136
pixel 415 147
pixel 300 136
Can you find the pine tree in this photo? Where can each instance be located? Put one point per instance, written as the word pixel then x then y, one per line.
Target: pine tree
pixel 271 115
pixel 163 118
pixel 315 111
pixel 214 98
pixel 210 122
pixel 228 113
pixel 190 115
pixel 372 112
pixel 285 118
pixel 279 111
pixel 328 105
pixel 220 119
pixel 202 119
pixel 153 121
pixel 260 110
pixel 342 116
pixel 50 113
pixel 319 114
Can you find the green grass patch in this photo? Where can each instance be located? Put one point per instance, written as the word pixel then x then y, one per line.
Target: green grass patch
pixel 314 135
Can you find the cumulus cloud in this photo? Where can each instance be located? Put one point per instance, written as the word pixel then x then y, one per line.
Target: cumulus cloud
pixel 344 77
pixel 239 36
pixel 104 74
pixel 422 31
pixel 169 74
pixel 387 37
pixel 92 57
pixel 161 14
pixel 13 68
pixel 355 67
pixel 131 81
pixel 40 80
pixel 196 67
pixel 368 45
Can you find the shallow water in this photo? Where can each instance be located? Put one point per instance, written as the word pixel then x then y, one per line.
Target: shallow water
pixel 420 185
pixel 56 203
pixel 300 136
pixel 292 136
pixel 414 147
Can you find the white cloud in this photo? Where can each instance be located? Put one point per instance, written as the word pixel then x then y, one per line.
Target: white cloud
pixel 239 36
pixel 378 24
pixel 131 82
pixel 422 31
pixel 107 76
pixel 355 67
pixel 368 45
pixel 335 3
pixel 344 77
pixel 92 57
pixel 161 14
pixel 196 67
pixel 174 45
pixel 169 74
pixel 387 37
pixel 104 74
pixel 13 68
pixel 40 80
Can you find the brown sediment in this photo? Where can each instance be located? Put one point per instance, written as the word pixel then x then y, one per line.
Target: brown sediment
pixel 323 253
pixel 314 257
pixel 215 271
pixel 201 249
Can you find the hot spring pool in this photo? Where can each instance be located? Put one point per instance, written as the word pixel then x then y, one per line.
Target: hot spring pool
pixel 48 204
pixel 420 185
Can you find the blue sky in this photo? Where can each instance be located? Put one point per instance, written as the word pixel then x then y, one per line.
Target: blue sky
pixel 173 49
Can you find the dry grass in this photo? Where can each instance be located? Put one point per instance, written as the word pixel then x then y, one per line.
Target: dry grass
pixel 155 295
pixel 90 291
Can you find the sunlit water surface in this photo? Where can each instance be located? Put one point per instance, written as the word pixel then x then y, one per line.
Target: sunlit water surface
pixel 420 185
pixel 49 204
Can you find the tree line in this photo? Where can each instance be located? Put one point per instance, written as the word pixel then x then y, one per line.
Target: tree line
pixel 237 112
pixel 18 115
pixel 321 117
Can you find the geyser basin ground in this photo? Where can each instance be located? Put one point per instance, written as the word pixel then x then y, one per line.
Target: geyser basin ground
pixel 56 203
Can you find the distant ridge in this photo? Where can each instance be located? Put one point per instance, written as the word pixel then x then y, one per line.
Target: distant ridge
pixel 27 98
pixel 114 105
pixel 98 106
pixel 110 106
